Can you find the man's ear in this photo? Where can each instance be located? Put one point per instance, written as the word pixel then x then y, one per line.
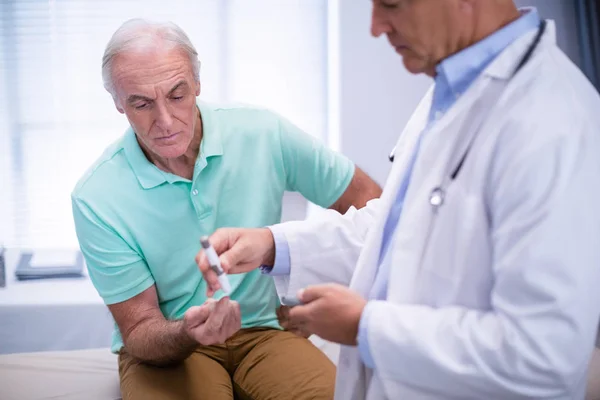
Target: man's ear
pixel 118 105
pixel 197 88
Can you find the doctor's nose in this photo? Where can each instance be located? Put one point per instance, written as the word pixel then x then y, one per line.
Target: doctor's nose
pixel 379 24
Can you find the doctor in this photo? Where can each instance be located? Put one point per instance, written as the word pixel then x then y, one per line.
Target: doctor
pixel 476 275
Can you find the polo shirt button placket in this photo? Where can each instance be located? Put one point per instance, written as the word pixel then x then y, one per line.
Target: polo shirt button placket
pixel 200 208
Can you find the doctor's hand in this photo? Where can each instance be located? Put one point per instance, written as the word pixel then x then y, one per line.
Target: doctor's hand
pixel 213 322
pixel 283 317
pixel 330 311
pixel 240 250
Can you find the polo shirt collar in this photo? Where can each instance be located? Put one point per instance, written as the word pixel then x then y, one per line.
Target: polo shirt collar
pixel 211 144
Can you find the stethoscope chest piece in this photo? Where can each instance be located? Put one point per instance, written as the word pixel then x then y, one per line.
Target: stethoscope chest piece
pixel 436 198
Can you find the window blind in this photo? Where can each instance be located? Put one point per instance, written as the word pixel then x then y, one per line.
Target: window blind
pixel 56 118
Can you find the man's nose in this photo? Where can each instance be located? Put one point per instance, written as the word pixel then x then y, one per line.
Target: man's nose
pixel 164 117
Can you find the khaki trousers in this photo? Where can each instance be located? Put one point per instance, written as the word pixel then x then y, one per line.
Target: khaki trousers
pixel 254 364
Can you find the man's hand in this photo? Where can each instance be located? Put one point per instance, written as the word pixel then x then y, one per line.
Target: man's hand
pixel 283 316
pixel 331 311
pixel 213 322
pixel 240 250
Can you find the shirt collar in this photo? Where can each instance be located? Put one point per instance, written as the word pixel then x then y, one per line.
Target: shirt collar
pixel 149 175
pixel 212 144
pixel 460 70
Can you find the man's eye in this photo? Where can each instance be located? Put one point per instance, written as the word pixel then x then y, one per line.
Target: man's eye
pixel 389 6
pixel 141 106
pixel 177 97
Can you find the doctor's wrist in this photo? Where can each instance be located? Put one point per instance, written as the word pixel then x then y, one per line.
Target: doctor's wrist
pixel 268 244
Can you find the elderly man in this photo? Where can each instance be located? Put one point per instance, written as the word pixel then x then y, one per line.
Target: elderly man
pixel 183 169
pixel 476 274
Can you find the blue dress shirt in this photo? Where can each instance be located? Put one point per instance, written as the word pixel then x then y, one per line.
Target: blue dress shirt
pixel 454 75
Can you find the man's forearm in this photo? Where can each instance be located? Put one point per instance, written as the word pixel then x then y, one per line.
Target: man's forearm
pixel 361 190
pixel 159 342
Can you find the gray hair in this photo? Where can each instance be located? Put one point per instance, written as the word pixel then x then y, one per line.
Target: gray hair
pixel 137 34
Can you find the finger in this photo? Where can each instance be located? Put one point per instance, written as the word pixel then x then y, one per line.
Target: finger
pixel 285 325
pixel 210 303
pixel 232 322
pixel 231 260
pixel 238 314
pixel 225 241
pixel 312 293
pixel 224 301
pixel 282 312
pixel 209 275
pixel 222 239
pixel 283 315
pixel 196 315
pixel 219 313
pixel 236 308
pixel 210 331
pixel 202 262
pixel 301 315
pixel 225 323
pixel 300 331
pixel 236 323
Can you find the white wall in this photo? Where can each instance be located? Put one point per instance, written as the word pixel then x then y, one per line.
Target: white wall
pixel 284 71
pixel 371 96
pixel 375 95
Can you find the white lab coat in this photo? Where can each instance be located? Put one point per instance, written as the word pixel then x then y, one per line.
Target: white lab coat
pixel 497 294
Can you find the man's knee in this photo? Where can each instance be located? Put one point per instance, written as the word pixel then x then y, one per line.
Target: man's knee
pixel 141 381
pixel 197 378
pixel 285 367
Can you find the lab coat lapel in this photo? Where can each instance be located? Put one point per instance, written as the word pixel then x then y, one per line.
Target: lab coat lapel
pixel 438 146
pixel 440 153
pixel 368 261
pixel 355 382
pixel 357 378
pixel 441 150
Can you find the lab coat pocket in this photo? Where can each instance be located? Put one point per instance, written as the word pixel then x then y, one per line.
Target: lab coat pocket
pixel 455 264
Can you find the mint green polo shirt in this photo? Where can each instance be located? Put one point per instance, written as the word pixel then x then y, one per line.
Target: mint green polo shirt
pixel 138 226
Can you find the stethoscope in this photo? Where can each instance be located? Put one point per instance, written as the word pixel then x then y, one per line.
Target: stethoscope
pixel 438 194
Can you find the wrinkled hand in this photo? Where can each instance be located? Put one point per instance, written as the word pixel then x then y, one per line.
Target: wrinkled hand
pixel 283 316
pixel 240 250
pixel 213 322
pixel 330 311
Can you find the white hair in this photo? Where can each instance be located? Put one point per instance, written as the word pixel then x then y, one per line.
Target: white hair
pixel 139 34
